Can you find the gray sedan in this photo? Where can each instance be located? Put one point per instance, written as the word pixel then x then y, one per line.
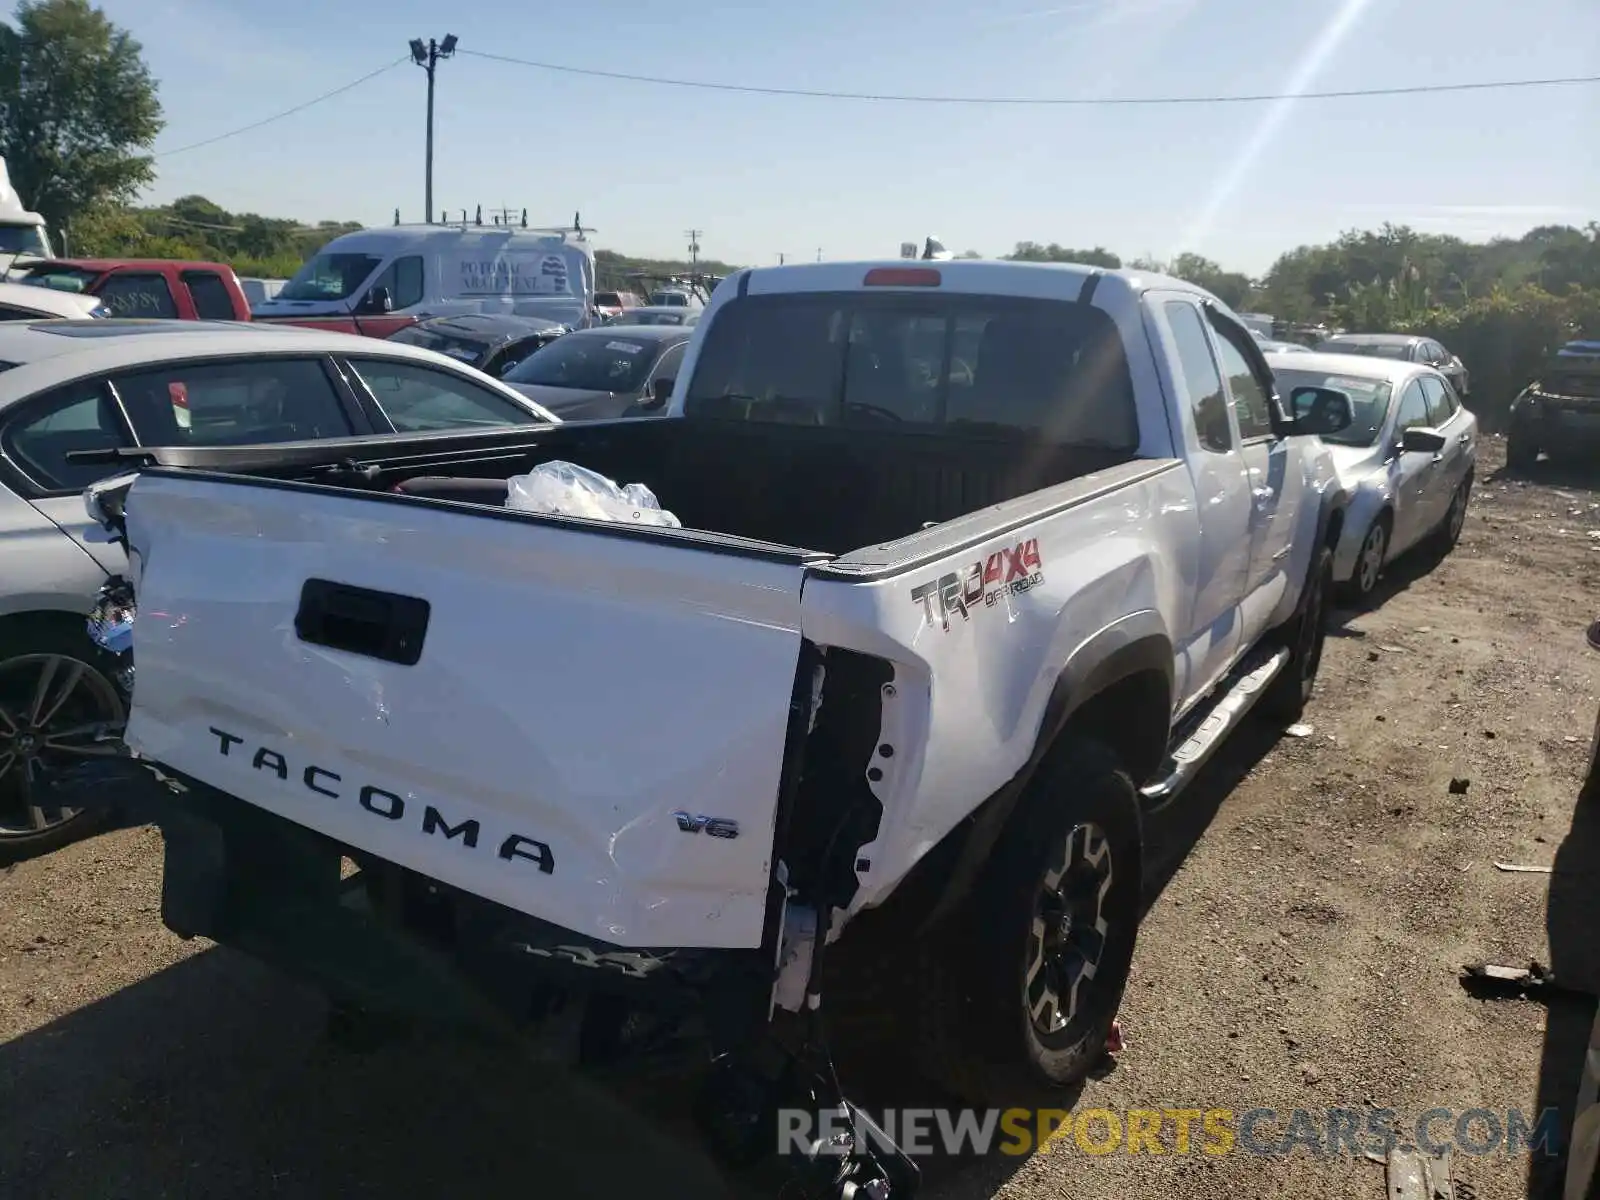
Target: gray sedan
pixel 615 371
pixel 69 387
pixel 1407 459
pixel 1402 347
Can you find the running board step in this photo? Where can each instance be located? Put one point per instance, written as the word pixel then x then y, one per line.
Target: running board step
pixel 1208 733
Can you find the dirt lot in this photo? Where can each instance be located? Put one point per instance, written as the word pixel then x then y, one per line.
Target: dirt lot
pixel 1315 900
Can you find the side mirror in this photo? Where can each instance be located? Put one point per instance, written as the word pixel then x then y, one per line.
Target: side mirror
pixel 659 395
pixel 1421 441
pixel 1320 411
pixel 380 301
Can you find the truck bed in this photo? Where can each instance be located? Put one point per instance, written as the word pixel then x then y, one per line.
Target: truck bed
pixel 826 490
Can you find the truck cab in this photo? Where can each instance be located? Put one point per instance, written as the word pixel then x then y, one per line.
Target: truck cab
pixel 154 288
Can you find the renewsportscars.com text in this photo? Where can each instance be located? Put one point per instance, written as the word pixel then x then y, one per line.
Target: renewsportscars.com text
pixel 1214 1132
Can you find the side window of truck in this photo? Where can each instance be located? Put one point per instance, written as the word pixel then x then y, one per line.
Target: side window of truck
pixel 1251 398
pixel 212 301
pixel 136 294
pixel 1200 376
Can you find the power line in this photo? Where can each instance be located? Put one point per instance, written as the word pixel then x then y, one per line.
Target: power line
pixel 1082 101
pixel 288 112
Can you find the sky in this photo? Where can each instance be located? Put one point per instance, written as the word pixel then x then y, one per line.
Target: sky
pixel 762 176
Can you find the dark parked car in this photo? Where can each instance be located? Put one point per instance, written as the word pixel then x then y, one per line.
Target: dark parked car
pixel 491 342
pixel 617 371
pixel 1402 346
pixel 1560 412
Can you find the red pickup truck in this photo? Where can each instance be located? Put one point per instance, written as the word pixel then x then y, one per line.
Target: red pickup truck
pixel 185 291
pixel 148 287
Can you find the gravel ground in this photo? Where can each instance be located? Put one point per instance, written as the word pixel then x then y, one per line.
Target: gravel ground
pixel 1315 900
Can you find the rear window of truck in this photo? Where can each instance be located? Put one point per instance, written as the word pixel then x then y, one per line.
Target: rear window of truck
pixel 955 363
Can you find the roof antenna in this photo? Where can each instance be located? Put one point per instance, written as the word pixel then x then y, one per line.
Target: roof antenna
pixel 463 218
pixel 524 218
pixel 577 225
pixel 478 220
pixel 397 216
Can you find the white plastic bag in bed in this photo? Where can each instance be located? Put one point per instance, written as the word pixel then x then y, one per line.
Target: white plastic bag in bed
pixel 565 489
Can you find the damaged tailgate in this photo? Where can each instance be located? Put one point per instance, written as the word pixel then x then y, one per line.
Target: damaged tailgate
pixel 586 723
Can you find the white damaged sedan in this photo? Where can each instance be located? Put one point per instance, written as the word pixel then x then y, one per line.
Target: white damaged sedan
pixel 1407 458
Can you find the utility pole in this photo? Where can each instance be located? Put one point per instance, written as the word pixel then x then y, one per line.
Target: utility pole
pixel 427 55
pixel 694 248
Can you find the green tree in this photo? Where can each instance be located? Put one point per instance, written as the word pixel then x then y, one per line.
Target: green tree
pixel 1034 252
pixel 1230 287
pixel 77 104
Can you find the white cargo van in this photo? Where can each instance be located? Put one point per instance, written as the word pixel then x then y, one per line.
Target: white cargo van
pixel 403 272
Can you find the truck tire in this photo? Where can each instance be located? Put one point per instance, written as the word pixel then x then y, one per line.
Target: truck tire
pixel 1522 450
pixel 1018 993
pixel 1305 634
pixel 58 651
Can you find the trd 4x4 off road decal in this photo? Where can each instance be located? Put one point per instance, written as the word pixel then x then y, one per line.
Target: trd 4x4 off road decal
pixel 982 585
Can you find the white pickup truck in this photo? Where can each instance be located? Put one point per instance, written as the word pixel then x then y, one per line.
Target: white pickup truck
pixel 979 562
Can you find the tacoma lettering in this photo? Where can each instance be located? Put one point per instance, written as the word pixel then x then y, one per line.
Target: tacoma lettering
pixel 391 806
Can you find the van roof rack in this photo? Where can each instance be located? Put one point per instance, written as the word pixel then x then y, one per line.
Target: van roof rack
pixel 498 218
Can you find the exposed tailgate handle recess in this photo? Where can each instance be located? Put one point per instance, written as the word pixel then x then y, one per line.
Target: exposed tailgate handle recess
pixel 360 621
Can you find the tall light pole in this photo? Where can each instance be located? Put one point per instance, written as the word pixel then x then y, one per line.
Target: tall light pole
pixel 427 55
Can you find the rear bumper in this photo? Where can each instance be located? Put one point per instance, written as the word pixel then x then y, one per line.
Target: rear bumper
pixel 368 932
pixel 1567 418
